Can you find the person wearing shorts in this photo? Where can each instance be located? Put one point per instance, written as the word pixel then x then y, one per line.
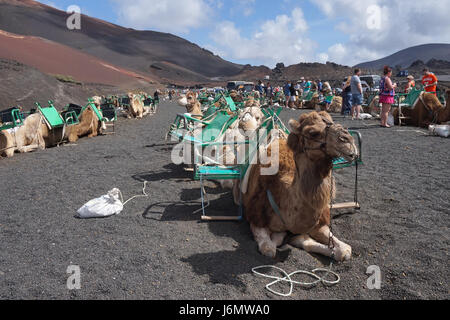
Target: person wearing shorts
pixel 387 95
pixel 357 94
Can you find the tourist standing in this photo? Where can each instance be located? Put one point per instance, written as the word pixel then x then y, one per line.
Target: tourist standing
pixel 357 94
pixel 347 97
pixel 387 95
pixel 429 81
pixel 293 95
pixel 319 85
pixel 260 87
pixel 269 92
pixel 287 93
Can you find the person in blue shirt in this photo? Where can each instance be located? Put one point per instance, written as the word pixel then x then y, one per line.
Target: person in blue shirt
pixel 319 85
pixel 259 87
pixel 287 93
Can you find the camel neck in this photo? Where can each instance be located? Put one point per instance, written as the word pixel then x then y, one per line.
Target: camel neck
pixel 313 177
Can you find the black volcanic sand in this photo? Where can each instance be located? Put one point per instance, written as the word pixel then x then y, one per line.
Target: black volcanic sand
pixel 157 249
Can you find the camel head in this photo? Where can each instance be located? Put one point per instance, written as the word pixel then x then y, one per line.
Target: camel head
pixel 191 98
pixel 188 100
pixel 317 136
pixel 251 120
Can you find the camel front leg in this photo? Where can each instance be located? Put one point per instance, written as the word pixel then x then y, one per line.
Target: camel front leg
pixel 310 245
pixel 278 238
pixel 266 246
pixel 342 251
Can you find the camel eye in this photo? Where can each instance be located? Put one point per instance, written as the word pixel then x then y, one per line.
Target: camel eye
pixel 314 134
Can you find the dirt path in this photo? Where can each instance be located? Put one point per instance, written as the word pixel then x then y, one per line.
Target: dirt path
pixel 157 249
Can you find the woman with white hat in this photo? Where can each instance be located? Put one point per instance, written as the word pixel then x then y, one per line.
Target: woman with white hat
pixel 411 84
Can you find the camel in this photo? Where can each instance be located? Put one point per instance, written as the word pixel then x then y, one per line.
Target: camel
pixel 28 137
pixel 312 104
pixel 98 100
pixel 374 106
pixel 426 111
pixel 251 116
pixel 336 105
pixel 89 126
pixel 236 96
pixel 136 106
pixel 302 189
pixel 193 106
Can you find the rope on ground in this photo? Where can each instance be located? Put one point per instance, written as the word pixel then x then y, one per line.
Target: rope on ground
pixel 288 278
pixel 143 195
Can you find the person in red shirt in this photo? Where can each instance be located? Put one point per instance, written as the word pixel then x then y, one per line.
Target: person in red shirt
pixel 429 81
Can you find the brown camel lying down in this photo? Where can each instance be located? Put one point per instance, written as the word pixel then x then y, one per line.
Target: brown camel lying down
pixel 427 110
pixel 301 188
pixel 89 126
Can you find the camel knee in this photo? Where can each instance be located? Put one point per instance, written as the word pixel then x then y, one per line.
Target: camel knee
pixel 278 238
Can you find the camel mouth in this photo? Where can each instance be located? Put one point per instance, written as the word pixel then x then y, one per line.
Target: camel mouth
pixel 350 156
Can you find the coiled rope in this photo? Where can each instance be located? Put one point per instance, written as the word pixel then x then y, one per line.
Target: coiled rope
pixel 288 278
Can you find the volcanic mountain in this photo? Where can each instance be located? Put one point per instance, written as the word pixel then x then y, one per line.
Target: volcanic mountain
pixel 406 57
pixel 154 54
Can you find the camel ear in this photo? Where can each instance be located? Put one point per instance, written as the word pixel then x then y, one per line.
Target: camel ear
pixel 326 115
pixel 294 124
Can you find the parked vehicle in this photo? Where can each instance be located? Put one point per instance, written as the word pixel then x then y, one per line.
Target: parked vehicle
pixel 234 85
pixel 373 81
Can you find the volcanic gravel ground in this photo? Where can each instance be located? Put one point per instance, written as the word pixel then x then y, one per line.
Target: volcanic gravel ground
pixel 158 249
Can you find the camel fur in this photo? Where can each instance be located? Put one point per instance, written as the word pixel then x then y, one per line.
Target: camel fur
pixel 6 144
pixel 301 188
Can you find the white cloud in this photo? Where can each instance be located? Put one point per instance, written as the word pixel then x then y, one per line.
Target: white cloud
pixel 287 37
pixel 280 40
pixel 403 23
pixel 178 16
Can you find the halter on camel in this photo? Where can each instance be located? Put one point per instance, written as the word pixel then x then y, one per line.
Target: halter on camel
pixel 323 146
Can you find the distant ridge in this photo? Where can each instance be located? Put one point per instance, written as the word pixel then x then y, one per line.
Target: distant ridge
pixel 404 58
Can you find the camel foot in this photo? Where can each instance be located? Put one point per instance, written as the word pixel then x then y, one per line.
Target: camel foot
pixel 268 249
pixel 343 252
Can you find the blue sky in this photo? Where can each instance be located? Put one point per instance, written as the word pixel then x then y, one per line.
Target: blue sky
pixel 289 31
